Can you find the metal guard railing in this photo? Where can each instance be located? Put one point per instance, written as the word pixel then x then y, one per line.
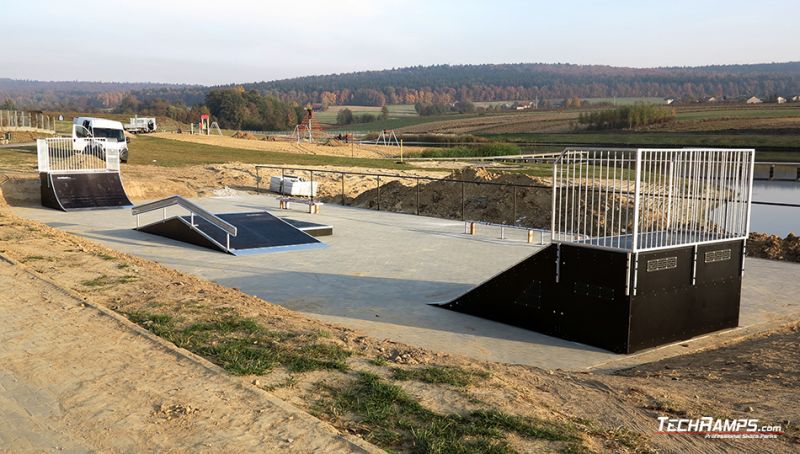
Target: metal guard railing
pixel 193 209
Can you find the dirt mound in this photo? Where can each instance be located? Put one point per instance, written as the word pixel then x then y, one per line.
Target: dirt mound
pixel 244 135
pixel 773 247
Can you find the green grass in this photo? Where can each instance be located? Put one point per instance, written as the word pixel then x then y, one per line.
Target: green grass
pixel 489 149
pixel 391 418
pixel 788 145
pixel 242 347
pixel 175 153
pixel 107 281
pixel 395 111
pixel 448 375
pixel 737 112
pixel 397 123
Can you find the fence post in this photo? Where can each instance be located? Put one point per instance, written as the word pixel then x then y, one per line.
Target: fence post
pixel 343 200
pixel 514 210
pixel 417 188
pixel 463 202
pixel 379 193
pixel 258 181
pixel 312 188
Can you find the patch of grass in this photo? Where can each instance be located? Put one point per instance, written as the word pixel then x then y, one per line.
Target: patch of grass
pixel 379 361
pixel 32 258
pixel 122 266
pixel 449 375
pixel 489 149
pixel 105 280
pixel 241 346
pixel 780 146
pixel 102 256
pixel 393 419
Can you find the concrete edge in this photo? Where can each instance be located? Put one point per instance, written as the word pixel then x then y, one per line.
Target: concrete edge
pixel 358 444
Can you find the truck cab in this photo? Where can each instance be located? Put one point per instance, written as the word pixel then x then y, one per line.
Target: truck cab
pixel 85 128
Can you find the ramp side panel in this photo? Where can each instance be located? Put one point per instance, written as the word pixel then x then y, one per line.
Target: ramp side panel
pixel 256 230
pixel 587 305
pixel 669 308
pixel 48 194
pixel 177 229
pixel 518 296
pixel 80 191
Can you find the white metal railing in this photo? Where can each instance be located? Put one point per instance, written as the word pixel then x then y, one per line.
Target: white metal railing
pixel 646 199
pixel 64 154
pixel 194 210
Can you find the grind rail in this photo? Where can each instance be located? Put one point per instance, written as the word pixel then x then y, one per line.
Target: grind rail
pixel 194 210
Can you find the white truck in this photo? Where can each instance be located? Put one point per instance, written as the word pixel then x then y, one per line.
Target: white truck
pixel 141 125
pixel 85 128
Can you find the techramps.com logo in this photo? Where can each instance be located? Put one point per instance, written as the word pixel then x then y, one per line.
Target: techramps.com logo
pixel 710 427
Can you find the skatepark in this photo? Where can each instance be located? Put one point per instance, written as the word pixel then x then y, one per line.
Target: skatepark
pixel 380 273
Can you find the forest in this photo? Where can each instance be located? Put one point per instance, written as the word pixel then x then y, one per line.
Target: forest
pixel 436 86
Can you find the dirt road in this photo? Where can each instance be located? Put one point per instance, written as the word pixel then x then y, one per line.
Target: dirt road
pixel 79 378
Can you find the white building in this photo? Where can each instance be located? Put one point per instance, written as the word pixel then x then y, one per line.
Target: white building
pixel 781 100
pixel 754 100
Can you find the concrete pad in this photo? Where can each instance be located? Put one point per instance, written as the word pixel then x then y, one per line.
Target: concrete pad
pixel 381 271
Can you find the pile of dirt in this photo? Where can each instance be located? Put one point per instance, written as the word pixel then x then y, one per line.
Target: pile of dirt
pixel 244 135
pixel 773 247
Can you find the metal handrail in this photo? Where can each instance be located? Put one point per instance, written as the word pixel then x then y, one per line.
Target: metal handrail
pixel 227 227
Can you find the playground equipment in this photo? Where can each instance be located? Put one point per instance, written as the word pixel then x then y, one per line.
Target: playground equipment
pixel 387 137
pixel 648 248
pixel 205 126
pixel 80 178
pixel 309 129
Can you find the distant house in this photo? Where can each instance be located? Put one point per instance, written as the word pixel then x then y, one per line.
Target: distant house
pixel 669 101
pixel 781 100
pixel 796 98
pixel 754 100
pixel 711 99
pixel 524 105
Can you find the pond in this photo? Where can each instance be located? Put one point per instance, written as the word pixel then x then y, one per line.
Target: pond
pixel 777 220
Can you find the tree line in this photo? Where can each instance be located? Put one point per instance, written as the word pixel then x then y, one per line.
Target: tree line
pixel 630 117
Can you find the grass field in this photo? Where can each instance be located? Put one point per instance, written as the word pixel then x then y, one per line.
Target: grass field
pixel 395 112
pixel 745 112
pixel 778 147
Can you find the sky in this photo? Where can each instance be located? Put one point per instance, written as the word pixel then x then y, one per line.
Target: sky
pixel 229 41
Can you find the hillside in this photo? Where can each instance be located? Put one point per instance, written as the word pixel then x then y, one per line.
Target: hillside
pixel 443 84
pixel 525 81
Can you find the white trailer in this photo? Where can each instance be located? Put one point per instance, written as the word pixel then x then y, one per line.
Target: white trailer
pixel 141 125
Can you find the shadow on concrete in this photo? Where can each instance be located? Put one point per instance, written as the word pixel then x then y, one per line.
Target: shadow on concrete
pixel 383 300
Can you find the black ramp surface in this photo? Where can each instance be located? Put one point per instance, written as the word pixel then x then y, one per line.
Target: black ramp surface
pixel 80 191
pixel 311 228
pixel 256 232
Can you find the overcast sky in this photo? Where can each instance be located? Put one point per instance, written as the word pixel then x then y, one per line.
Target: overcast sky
pixel 213 42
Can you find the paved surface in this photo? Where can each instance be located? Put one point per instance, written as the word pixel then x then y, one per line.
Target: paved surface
pixel 381 271
pixel 76 378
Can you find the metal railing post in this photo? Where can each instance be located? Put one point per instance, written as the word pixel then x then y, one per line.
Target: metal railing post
pixel 417 190
pixel 343 199
pixel 379 193
pixel 463 202
pixel 514 209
